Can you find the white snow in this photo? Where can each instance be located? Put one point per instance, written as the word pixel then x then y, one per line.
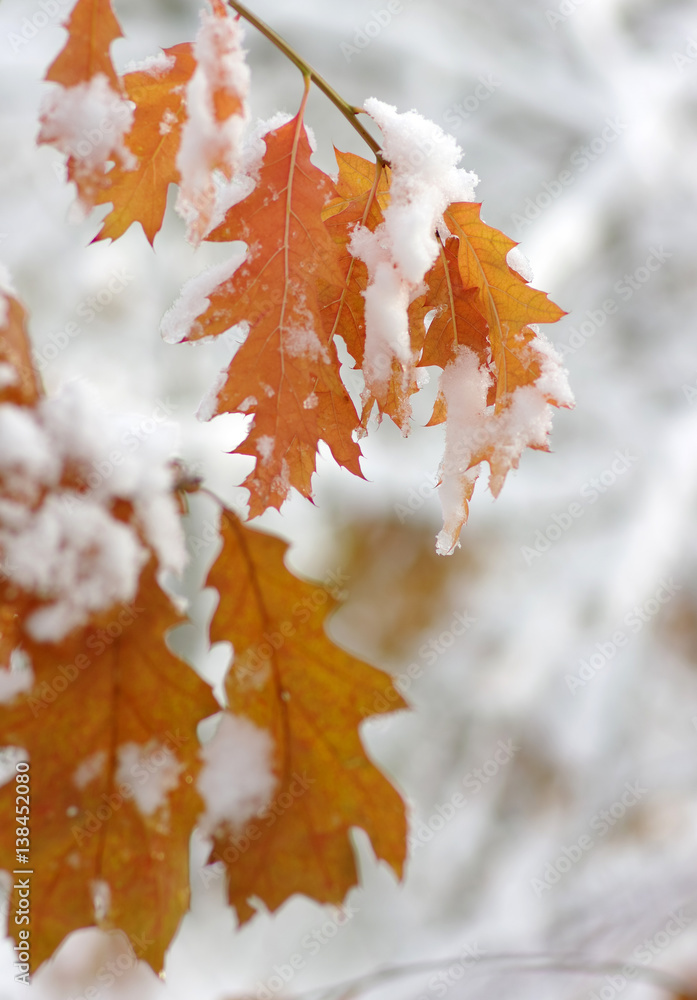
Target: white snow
pixel 251 157
pixel 516 259
pixel 180 321
pixel 89 122
pixel 14 682
pixel 156 65
pixel 302 341
pixel 237 778
pixel 89 769
pixel 151 771
pixel 398 254
pixel 472 425
pixel 264 446
pixel 6 290
pixel 209 142
pixel 101 898
pixel 8 373
pixel 59 540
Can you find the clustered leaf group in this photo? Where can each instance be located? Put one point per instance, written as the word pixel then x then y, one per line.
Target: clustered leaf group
pixel 327 260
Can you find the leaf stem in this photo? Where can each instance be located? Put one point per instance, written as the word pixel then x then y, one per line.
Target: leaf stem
pixel 348 111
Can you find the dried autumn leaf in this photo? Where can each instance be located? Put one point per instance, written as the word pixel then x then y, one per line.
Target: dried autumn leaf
pixel 217 114
pixel 110 731
pixel 19 380
pixel 86 117
pixel 289 679
pixel 20 386
pixel 286 372
pixel 140 194
pixel 500 376
pixel 506 301
pixel 92 27
pixel 363 193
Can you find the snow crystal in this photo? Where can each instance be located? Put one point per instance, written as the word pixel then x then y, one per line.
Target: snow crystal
pixel 403 248
pixel 310 402
pixel 88 121
pixel 236 779
pixel 553 381
pixel 247 176
pixel 516 259
pixel 179 322
pixel 464 385
pixel 156 65
pixel 207 142
pixel 150 771
pixel 6 286
pixel 168 120
pixel 209 404
pixel 471 426
pixel 90 768
pixel 14 682
pixel 247 404
pixel 264 446
pixel 8 373
pixel 59 541
pixel 303 342
pixel 101 898
pixel 76 556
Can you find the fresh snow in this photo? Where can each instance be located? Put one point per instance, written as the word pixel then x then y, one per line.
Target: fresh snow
pixel 237 779
pixel 60 540
pixel 89 122
pixel 425 179
pixel 209 142
pixel 150 771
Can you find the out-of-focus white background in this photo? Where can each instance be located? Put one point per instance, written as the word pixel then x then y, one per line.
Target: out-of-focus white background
pixel 581 648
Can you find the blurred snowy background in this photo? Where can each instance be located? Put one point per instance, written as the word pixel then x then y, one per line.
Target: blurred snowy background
pixel 562 703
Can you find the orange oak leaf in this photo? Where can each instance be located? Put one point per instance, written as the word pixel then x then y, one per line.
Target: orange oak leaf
pixel 363 193
pixel 109 730
pixel 286 373
pixel 92 27
pixel 19 381
pixel 217 114
pixel 140 194
pixel 499 376
pixel 20 385
pixel 506 301
pixel 288 678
